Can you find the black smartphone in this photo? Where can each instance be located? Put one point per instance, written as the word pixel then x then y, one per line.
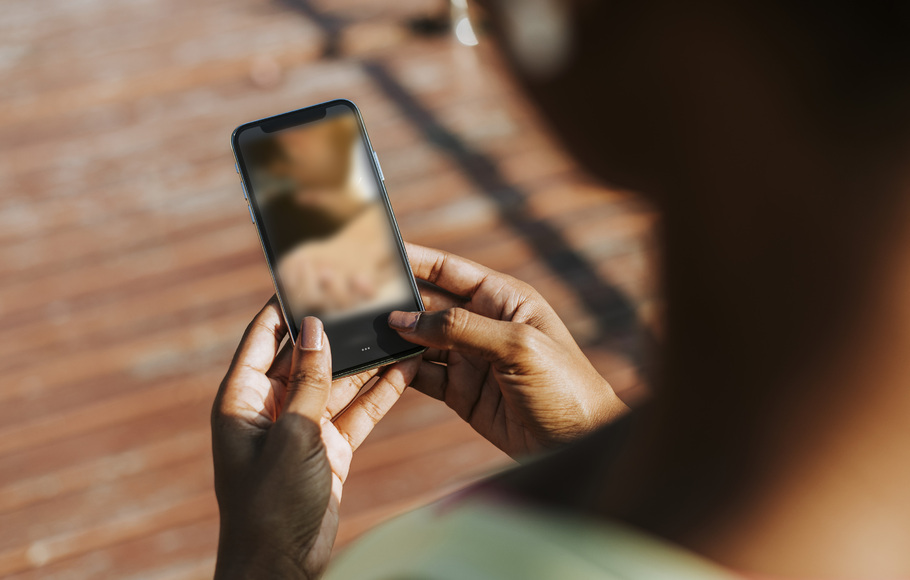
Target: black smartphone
pixel 317 196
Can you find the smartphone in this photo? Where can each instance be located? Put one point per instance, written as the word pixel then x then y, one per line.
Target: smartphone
pixel 317 196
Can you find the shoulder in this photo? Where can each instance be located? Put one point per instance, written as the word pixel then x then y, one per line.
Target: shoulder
pixel 488 537
pixel 529 523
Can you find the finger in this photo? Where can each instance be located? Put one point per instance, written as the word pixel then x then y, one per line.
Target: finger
pixel 436 355
pixel 435 298
pixel 463 331
pixel 468 397
pixel 339 453
pixel 310 378
pixel 432 379
pixel 453 273
pixel 261 339
pixel 256 351
pixel 278 376
pixel 366 411
pixel 281 367
pixel 483 290
pixel 242 398
pixel 344 391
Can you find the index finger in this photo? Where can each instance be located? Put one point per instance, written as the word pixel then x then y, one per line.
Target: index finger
pixel 450 272
pixel 260 342
pixel 246 393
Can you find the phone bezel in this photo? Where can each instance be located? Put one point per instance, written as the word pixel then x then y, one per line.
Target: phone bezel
pixel 297 118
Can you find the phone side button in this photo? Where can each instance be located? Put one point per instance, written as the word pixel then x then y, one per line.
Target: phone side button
pixel 243 187
pixel 378 166
pixel 252 217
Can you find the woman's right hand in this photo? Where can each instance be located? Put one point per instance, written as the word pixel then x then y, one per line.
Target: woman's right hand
pixel 501 358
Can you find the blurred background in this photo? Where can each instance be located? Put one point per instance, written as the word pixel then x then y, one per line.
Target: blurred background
pixel 130 266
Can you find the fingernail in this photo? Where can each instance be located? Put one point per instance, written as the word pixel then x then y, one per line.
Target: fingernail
pixel 403 321
pixel 310 334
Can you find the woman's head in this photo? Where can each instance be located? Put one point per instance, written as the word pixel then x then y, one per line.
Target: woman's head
pixel 770 135
pixel 625 82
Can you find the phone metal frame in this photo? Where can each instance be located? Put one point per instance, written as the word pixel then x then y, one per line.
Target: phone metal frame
pixel 287 120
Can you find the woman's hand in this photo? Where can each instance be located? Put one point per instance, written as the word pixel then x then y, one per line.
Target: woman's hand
pixel 501 358
pixel 282 450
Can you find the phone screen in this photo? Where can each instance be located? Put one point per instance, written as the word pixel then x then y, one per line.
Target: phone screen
pixel 315 189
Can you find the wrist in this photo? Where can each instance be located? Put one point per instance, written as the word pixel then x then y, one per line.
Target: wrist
pixel 609 407
pixel 236 567
pixel 251 559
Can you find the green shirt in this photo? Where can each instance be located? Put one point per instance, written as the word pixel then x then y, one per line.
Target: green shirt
pixel 484 539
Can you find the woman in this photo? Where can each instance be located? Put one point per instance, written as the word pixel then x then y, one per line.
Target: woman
pixel 773 137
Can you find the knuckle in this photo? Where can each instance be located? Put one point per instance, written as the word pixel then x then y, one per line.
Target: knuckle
pixel 530 293
pixel 372 410
pixel 526 295
pixel 256 324
pixel 523 337
pixel 510 284
pixel 438 267
pixel 349 439
pixel 302 377
pixel 454 321
pixel 514 283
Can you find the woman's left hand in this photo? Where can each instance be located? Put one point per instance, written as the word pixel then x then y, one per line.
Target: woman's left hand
pixel 282 451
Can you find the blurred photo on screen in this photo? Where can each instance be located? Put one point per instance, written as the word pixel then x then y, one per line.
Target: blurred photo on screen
pixel 324 218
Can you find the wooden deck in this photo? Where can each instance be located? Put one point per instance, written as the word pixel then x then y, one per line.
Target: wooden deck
pixel 129 267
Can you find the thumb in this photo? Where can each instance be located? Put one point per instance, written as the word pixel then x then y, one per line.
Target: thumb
pixel 464 331
pixel 310 378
